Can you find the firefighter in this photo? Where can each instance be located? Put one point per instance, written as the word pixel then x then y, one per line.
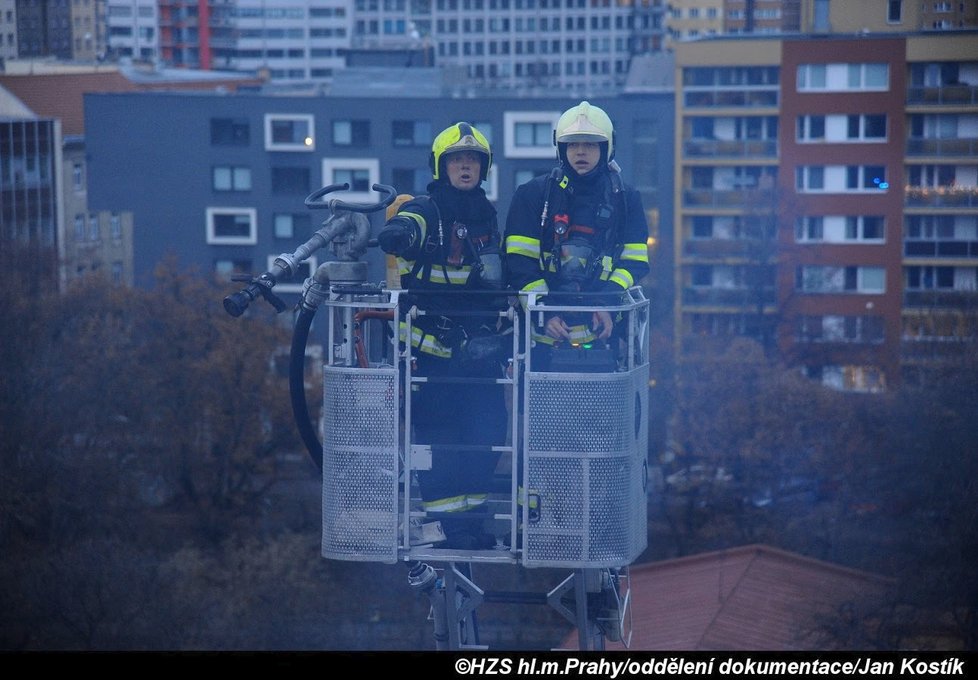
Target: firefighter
pixel 447 242
pixel 578 229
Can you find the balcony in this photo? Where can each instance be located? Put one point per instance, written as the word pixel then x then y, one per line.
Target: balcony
pixel 966 148
pixel 727 248
pixel 922 349
pixel 953 196
pixel 740 298
pixel 937 299
pixel 941 249
pixel 730 98
pixel 730 148
pixel 728 198
pixel 945 95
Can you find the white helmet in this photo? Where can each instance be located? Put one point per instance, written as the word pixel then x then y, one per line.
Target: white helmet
pixel 585 123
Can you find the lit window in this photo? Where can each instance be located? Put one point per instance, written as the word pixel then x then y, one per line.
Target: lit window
pixel 289 132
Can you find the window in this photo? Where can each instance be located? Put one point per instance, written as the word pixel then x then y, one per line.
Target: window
pixel 842 77
pixel 229 178
pixel 79 227
pixel 351 132
pixel 849 378
pixel 864 228
pixel 854 279
pixel 232 226
pixel 115 226
pixel 931 175
pixel 77 177
pixel 411 180
pixel 226 268
pixel 94 232
pixel 839 229
pixel 809 229
pixel 840 179
pixel 230 132
pixel 529 134
pixel 841 128
pixel 867 127
pixel 810 178
pixel 411 132
pixel 289 132
pixel 291 180
pixel 292 225
pixel 942 278
pixel 360 173
pixel 866 177
pixel 894 11
pixel 306 269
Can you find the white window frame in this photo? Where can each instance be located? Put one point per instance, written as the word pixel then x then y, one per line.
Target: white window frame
pixel 307 118
pixel 835 180
pixel 804 176
pixel 510 120
pixel 831 280
pixel 833 229
pixel 294 285
pixel 371 165
pixel 249 240
pixel 836 77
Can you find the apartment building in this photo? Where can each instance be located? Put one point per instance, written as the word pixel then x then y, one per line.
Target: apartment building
pixel 133 29
pixel 8 29
pixel 576 46
pixel 826 200
pixel 30 177
pixel 66 29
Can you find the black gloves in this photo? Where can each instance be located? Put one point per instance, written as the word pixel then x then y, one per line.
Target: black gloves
pixel 396 237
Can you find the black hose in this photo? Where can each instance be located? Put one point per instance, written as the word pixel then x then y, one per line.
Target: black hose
pixel 297 388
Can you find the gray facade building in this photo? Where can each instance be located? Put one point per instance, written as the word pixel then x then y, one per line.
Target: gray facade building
pixel 219 180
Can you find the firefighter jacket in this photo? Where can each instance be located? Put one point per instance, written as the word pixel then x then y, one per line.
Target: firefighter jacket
pixel 598 213
pixel 446 242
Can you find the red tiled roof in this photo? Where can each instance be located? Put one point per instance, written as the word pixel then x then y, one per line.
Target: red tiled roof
pixel 60 95
pixel 751 598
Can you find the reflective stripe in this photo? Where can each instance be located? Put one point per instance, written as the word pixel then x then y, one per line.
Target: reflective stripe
pixel 425 342
pixel 538 286
pixel 638 252
pixel 623 278
pixel 474 500
pixel 459 276
pixel 419 218
pixel 450 504
pixel 531 493
pixel 523 245
pixel 459 503
pixel 579 335
pixel 439 274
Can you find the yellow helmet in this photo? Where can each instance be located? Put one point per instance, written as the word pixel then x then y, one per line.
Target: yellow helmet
pixel 584 123
pixel 459 137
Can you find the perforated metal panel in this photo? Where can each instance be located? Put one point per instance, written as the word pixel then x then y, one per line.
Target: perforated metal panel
pixel 360 464
pixel 587 441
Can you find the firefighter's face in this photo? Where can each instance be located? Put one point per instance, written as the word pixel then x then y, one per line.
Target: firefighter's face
pixel 583 156
pixel 464 169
